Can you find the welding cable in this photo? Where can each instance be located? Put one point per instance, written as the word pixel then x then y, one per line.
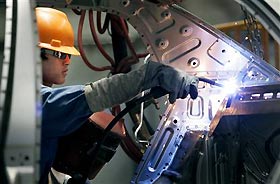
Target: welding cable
pixel 76 11
pixel 127 143
pixel 123 30
pixel 80 45
pixel 128 41
pixel 115 20
pixel 102 29
pixel 142 55
pixel 96 40
pixel 124 65
pixel 154 93
pixel 94 152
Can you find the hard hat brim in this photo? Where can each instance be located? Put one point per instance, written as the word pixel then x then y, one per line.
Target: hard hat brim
pixel 64 49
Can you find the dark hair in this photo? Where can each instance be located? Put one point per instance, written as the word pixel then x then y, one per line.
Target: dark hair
pixel 43 55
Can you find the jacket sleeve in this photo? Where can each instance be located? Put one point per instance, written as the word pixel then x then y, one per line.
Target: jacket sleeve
pixel 120 88
pixel 114 90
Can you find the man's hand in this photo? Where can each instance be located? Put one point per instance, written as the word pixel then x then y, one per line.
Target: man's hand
pixel 176 82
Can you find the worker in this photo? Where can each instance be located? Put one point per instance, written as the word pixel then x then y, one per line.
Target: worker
pixel 64 109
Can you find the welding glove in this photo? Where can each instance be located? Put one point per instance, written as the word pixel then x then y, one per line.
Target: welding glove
pixel 120 88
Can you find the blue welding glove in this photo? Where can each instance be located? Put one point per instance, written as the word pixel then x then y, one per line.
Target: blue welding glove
pixel 120 88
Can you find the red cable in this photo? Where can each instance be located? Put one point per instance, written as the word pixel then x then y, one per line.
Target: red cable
pixel 125 28
pixel 80 45
pixel 128 41
pixel 98 44
pixel 116 24
pixel 142 55
pixel 124 65
pixel 127 144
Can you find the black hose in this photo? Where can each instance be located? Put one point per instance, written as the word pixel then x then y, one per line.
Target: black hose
pixel 154 93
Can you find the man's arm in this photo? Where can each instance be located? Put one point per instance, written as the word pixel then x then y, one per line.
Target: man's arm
pixel 120 88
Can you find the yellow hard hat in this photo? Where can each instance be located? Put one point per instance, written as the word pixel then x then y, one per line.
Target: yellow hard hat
pixel 55 31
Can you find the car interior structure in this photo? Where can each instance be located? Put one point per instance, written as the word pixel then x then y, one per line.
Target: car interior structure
pixel 230 134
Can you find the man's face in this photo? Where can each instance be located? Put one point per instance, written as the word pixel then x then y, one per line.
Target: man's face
pixel 54 70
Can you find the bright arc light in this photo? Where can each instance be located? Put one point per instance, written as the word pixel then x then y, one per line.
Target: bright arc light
pixel 230 87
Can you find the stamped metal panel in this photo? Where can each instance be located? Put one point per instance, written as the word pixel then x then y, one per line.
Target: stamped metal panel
pixel 185 117
pixel 249 100
pixel 175 37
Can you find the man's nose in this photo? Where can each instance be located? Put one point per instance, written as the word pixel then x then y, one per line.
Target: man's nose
pixel 67 60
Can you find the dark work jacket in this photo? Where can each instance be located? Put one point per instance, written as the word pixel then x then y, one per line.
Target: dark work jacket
pixel 64 110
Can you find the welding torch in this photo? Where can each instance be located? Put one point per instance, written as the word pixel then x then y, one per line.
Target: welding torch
pixel 210 81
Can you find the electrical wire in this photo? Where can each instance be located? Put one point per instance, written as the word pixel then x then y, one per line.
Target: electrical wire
pixel 154 93
pixel 121 28
pixel 102 29
pixel 76 11
pixel 80 45
pixel 96 40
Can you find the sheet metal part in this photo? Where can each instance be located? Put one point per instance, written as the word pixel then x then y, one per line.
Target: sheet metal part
pixel 249 100
pixel 247 134
pixel 184 117
pixel 176 37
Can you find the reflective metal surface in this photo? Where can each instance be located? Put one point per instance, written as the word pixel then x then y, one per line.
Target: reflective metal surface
pixel 227 134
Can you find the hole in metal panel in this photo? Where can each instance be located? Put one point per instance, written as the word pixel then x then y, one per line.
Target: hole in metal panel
pixel 255 96
pixel 267 95
pixel 195 108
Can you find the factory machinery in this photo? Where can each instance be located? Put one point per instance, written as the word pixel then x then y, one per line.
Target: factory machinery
pixel 229 134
